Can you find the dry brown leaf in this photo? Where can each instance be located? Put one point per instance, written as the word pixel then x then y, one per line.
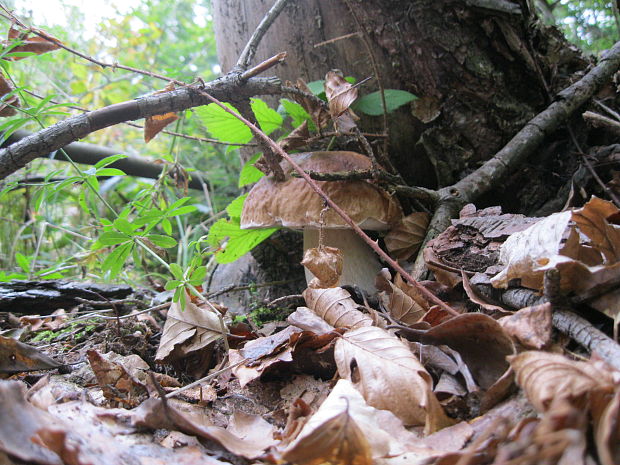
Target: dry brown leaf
pixel 325 263
pixel 389 376
pixel 296 139
pixel 404 240
pixel 340 93
pixel 477 298
pixel 187 330
pixel 314 107
pixel 480 340
pixel 339 441
pixel 400 305
pixel 336 306
pixel 119 386
pixel 307 320
pixel 530 326
pixel 607 431
pixel 546 377
pixel 34 44
pixel 153 125
pixel 384 434
pixel 16 357
pixel 7 104
pixel 592 220
pixel 262 354
pixel 20 423
pixel 190 419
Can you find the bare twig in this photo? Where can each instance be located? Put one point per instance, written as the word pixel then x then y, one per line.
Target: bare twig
pixel 13 18
pixel 249 51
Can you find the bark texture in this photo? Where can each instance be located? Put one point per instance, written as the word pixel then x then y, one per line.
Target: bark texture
pixel 481 70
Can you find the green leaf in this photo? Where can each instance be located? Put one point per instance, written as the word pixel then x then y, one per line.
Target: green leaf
pixel 240 241
pixel 172 284
pixel 110 172
pixel 249 173
pixel 371 103
pixel 268 119
pixel 222 125
pixel 317 87
pixel 198 276
pixel 181 211
pixel 162 241
pixel 176 271
pixel 23 262
pixel 295 111
pixel 165 224
pixel 124 226
pixel 115 261
pixel 112 238
pixel 235 207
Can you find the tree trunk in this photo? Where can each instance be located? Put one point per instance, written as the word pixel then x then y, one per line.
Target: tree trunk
pixel 480 73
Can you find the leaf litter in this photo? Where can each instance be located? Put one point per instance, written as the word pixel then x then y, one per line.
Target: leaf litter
pixel 389 380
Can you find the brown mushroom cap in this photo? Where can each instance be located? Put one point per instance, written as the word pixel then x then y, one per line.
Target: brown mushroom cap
pixel 294 204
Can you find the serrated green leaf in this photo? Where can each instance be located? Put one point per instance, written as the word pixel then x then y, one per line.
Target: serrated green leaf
pixel 162 241
pixel 112 238
pixel 109 160
pixel 222 125
pixel 176 271
pixel 249 173
pixel 268 119
pixel 371 104
pixel 240 241
pixel 23 262
pixel 235 207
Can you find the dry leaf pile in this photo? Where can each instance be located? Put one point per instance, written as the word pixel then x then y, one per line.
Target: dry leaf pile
pixel 343 382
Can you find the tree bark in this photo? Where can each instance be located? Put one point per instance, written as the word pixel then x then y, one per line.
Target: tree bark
pixel 482 69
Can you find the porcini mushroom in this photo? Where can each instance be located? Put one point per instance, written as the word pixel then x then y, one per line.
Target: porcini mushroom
pixel 294 204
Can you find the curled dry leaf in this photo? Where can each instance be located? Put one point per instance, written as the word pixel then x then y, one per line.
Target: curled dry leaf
pixel 607 431
pixel 404 240
pixel 377 433
pixel 325 263
pixel 481 342
pixel 401 306
pixel 153 125
pixel 187 330
pixel 389 376
pixel 340 95
pixel 530 326
pixel 546 377
pixel 336 306
pixel 314 106
pixel 38 43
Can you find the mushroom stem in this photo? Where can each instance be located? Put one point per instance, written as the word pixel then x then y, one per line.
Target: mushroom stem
pixel 361 264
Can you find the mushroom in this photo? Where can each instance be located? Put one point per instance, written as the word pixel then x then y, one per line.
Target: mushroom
pixel 294 204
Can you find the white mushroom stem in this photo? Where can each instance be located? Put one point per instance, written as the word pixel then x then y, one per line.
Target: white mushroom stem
pixel 361 264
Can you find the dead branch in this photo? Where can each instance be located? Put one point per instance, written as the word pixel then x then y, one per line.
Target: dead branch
pixel 249 51
pixel 77 127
